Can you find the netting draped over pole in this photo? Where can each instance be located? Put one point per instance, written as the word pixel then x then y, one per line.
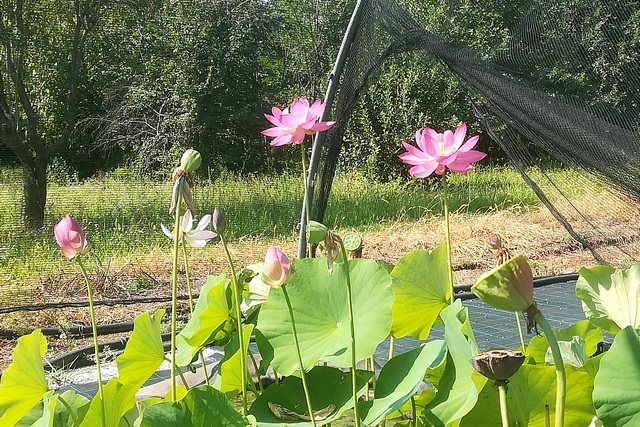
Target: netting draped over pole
pixel 521 111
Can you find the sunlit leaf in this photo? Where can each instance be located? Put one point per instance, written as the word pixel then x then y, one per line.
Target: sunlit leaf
pixel 209 315
pixel 422 288
pixel 528 391
pixel 229 380
pixel 399 379
pixel 23 382
pixel 144 352
pixel 616 393
pixel 327 386
pixel 538 346
pixel 610 297
pixel 118 399
pixel 457 393
pixel 321 312
pixel 202 406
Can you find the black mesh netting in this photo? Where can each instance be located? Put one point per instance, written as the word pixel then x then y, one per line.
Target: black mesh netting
pixel 524 109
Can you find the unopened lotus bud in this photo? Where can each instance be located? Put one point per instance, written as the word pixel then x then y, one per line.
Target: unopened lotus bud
pixel 509 286
pixel 218 221
pixel 317 232
pixel 498 365
pixel 70 237
pixel 276 268
pixel 494 241
pixel 190 160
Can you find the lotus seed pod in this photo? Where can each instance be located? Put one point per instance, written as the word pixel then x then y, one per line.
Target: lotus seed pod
pixel 190 160
pixel 498 365
pixel 317 232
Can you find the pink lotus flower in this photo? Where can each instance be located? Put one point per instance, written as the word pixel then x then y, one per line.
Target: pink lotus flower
pixel 295 122
pixel 194 237
pixel 70 237
pixel 439 151
pixel 276 268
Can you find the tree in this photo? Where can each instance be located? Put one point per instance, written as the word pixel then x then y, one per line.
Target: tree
pixel 42 57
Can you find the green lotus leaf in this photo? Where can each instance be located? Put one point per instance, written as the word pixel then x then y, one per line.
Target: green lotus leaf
pixel 118 399
pixel 23 382
pixel 144 352
pixel 528 391
pixel 458 387
pixel 202 406
pixel 616 393
pixel 399 379
pixel 422 288
pixel 585 330
pixel 321 313
pixel 58 414
pixel 610 297
pixel 328 387
pixel 209 315
pixel 230 367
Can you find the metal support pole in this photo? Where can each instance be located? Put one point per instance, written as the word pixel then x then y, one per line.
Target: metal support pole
pixel 318 140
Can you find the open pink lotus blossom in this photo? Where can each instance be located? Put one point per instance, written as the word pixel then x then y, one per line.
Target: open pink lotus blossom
pixel 194 237
pixel 276 268
pixel 70 237
pixel 439 151
pixel 295 122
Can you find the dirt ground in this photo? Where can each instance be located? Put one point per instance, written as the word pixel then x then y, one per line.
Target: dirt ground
pixel 613 231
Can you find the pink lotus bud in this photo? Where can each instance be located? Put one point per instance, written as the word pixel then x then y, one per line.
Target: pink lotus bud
pixel 276 268
pixel 70 237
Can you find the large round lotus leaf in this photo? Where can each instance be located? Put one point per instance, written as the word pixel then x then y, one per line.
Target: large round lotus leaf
pixel 422 288
pixel 616 392
pixel 610 297
pixel 321 313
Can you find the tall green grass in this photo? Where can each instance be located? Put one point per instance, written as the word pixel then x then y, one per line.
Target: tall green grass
pixel 121 214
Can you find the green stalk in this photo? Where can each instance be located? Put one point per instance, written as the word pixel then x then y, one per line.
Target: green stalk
pixel 174 287
pixel 414 410
pixel 303 375
pixel 447 231
pixel 502 392
pixel 96 347
pixel 519 328
pixel 354 386
pixel 561 377
pixel 238 315
pixel 392 342
pixel 191 307
pixel 306 187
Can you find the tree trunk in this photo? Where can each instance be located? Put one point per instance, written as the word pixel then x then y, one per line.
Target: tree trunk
pixel 35 192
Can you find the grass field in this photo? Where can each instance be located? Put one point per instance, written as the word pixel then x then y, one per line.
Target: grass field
pixel 121 215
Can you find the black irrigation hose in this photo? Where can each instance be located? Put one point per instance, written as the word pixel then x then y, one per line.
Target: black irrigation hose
pixel 6 310
pixel 79 332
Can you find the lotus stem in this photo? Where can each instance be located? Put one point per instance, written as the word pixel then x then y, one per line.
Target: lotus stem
pixel 515 313
pixel 191 308
pixel 174 287
pixel 392 342
pixel 561 377
pixel 238 315
pixel 303 374
pixel 305 185
pixel 96 347
pixel 354 385
pixel 504 415
pixel 447 230
pixel 414 410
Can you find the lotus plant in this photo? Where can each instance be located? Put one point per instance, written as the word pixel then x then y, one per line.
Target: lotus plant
pixel 72 243
pixel 437 152
pixel 509 287
pixel 292 125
